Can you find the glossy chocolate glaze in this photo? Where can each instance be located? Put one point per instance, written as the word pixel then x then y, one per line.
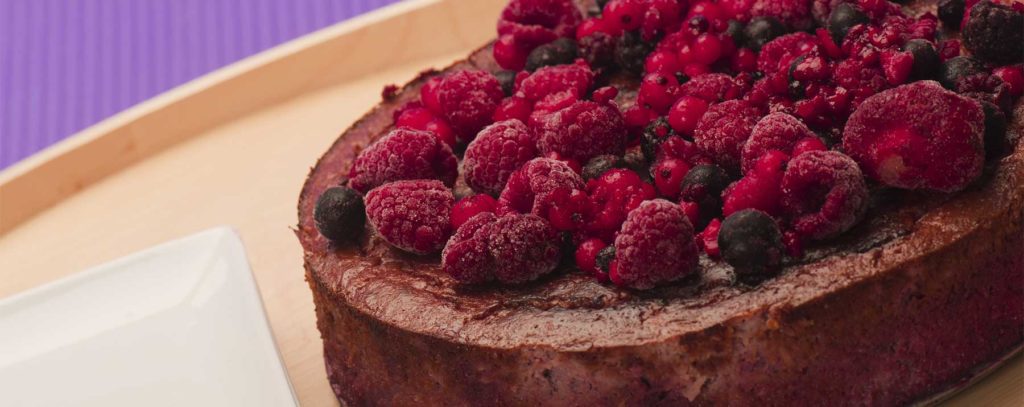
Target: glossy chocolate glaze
pixel 881 308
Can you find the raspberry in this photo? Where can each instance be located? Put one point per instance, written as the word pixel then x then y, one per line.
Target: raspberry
pixel 574 78
pixel 708 239
pixel 421 118
pixel 987 88
pixel 686 113
pixel 750 241
pixel 401 155
pixel 466 256
pixel 824 194
pixel 736 9
pixel 412 215
pixel 995 33
pixel 614 194
pixel 495 154
pixel 897 66
pixel 469 99
pixel 724 129
pixel 575 165
pixel 566 209
pixel 524 247
pixel 340 213
pixel 760 188
pixel 582 131
pixel 428 94
pixel 712 87
pixel 918 136
pixel 586 258
pixel 796 14
pixel 668 177
pixel 510 55
pixel 513 108
pixel 530 186
pixel 778 55
pixel 470 206
pixel 531 23
pixel 655 246
pixel 777 131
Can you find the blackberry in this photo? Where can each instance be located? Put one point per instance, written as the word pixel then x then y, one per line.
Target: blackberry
pixel 601 164
pixel 995 33
pixel 655 132
pixel 631 52
pixel 340 213
pixel 844 17
pixel 762 30
pixel 703 185
pixel 751 242
pixel 558 52
pixel 507 80
pixel 955 68
pixel 926 59
pixel 605 258
pixel 951 12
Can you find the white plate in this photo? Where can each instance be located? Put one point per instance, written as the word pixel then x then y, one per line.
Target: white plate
pixel 180 324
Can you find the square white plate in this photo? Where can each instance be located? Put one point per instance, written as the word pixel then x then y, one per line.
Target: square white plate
pixel 180 324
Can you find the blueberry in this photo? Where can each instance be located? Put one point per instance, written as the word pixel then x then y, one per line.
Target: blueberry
pixel 844 17
pixel 762 30
pixel 558 52
pixel 926 59
pixel 703 185
pixel 631 52
pixel 655 133
pixel 340 213
pixel 951 12
pixel 750 241
pixel 955 68
pixel 600 165
pixel 998 141
pixel 735 30
pixel 507 79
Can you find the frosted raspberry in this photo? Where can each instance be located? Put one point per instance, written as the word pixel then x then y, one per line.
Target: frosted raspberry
pixel 412 215
pixel 614 194
pixel 712 87
pixel 524 247
pixel 530 186
pixel 824 194
pixel 656 246
pixel 794 13
pixel 403 154
pixel 778 54
pixel 724 129
pixel 470 206
pixel 466 256
pixel 574 78
pixel 777 131
pixel 469 99
pixel 497 151
pixel 582 131
pixel 918 136
pixel 513 108
pixel 527 24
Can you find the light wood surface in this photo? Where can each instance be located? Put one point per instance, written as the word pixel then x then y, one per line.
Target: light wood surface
pixel 233 148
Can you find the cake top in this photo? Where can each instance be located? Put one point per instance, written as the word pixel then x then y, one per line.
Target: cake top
pixel 644 140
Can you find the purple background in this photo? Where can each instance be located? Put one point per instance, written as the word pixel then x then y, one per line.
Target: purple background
pixel 65 65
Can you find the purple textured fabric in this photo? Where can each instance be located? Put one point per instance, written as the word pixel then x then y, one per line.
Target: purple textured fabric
pixel 65 65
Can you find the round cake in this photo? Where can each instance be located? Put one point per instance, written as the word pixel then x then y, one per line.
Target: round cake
pixel 913 296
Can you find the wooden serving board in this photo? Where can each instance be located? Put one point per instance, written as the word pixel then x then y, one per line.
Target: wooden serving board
pixel 233 148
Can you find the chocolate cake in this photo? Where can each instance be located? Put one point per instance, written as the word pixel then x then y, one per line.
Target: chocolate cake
pixel 913 300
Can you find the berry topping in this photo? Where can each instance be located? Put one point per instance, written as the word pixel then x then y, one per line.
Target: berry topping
pixel 844 17
pixel 998 142
pixel 712 87
pixel 530 187
pixel 614 194
pixel 495 154
pixel 926 59
pixel 995 33
pixel 918 136
pixel 468 207
pixel 724 129
pixel 631 51
pixel 763 30
pixel 1013 76
pixel 582 131
pixel 658 91
pixel 558 52
pixel 468 100
pixel 575 79
pixel 824 194
pixel 951 12
pixel 704 185
pixel 524 247
pixel 466 256
pixel 750 241
pixel 412 215
pixel 401 155
pixel 959 67
pixel 655 246
pixel 586 258
pixel 795 14
pixel 340 213
pixel 777 131
pixel 421 118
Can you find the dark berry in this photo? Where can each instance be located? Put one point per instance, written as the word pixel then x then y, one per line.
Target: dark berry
pixel 824 194
pixel 631 51
pixel 955 68
pixel 844 17
pixel 340 213
pixel 761 31
pixel 601 164
pixel 704 185
pixel 598 50
pixel 926 59
pixel 468 207
pixel 918 136
pixel 736 31
pixel 524 247
pixel 655 246
pixel 951 13
pixel 414 216
pixel 495 154
pixel 558 52
pixel 995 33
pixel 583 130
pixel 469 99
pixel 604 259
pixel 507 79
pixel 403 154
pixel 997 140
pixel 654 134
pixel 751 242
